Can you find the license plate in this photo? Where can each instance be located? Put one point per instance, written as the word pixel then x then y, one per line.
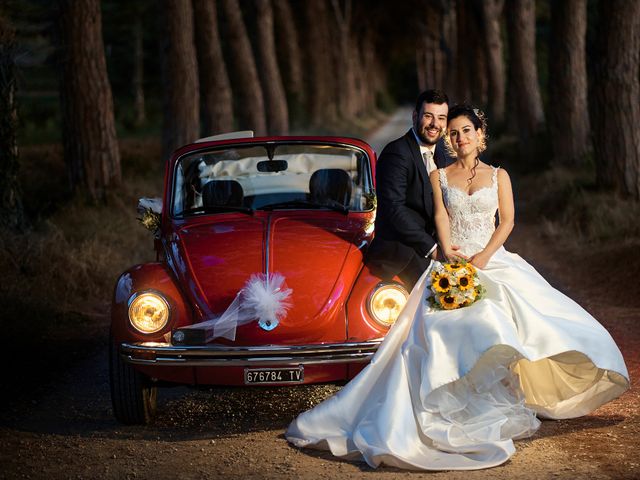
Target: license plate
pixel 266 376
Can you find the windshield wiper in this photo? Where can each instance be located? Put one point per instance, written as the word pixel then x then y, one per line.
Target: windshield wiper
pixel 218 208
pixel 335 206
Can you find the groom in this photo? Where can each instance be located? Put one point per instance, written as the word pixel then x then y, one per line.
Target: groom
pixel 405 242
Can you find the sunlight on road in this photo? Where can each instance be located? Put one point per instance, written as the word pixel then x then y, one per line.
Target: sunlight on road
pixel 397 126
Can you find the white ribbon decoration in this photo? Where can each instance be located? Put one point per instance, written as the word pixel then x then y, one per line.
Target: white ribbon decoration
pixel 264 298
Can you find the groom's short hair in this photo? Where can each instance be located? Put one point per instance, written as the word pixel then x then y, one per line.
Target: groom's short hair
pixel 431 96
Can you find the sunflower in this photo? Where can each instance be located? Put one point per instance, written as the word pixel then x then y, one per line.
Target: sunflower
pixel 453 266
pixel 465 282
pixel 448 302
pixel 442 283
pixel 454 285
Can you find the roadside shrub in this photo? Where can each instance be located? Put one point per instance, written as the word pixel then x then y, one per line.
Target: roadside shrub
pixel 573 210
pixel 64 267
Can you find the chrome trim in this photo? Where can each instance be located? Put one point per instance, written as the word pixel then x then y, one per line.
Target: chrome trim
pixel 160 353
pixel 227 136
pixel 267 242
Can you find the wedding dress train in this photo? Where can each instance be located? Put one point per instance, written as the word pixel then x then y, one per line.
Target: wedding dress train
pixel 452 389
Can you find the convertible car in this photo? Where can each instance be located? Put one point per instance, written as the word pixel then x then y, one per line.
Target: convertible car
pixel 294 211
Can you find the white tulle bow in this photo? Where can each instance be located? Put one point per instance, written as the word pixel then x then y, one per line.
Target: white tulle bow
pixel 264 298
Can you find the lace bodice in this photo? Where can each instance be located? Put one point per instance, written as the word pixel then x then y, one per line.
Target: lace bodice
pixel 471 217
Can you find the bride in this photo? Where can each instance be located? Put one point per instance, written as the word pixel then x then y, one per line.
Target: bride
pixel 452 389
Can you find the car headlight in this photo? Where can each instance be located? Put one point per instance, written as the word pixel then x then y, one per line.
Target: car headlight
pixel 148 312
pixel 386 302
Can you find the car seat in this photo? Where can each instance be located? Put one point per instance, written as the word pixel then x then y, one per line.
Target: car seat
pixel 222 193
pixel 330 185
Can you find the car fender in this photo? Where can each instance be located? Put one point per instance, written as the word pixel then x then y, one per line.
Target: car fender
pixel 154 277
pixel 361 324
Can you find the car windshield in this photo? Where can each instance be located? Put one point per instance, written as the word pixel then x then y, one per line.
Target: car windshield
pixel 273 177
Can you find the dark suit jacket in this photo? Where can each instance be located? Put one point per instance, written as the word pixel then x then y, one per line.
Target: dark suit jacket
pixel 404 220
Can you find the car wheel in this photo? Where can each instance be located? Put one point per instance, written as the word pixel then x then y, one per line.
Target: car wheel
pixel 133 395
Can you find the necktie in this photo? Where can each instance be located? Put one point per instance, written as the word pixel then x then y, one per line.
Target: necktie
pixel 428 160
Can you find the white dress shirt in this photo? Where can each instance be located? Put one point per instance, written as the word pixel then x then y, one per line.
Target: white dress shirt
pixel 427 152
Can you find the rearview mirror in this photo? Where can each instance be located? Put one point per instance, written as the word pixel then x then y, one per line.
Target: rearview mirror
pixel 269 166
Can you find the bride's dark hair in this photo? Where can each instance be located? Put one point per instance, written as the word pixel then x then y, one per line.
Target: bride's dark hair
pixel 479 121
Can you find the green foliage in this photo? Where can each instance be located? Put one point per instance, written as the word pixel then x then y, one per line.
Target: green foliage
pixel 599 217
pixel 574 211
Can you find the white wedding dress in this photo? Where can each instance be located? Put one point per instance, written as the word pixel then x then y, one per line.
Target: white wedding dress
pixel 452 389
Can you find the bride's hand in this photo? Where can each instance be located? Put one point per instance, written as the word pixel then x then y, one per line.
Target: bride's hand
pixel 452 254
pixel 480 260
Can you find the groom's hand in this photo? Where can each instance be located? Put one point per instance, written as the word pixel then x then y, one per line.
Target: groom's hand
pixel 453 254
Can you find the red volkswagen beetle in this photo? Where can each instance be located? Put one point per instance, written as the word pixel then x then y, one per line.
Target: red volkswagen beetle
pixel 296 211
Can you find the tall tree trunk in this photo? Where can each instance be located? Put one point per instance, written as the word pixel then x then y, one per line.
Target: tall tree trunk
pixel 479 78
pixel 322 104
pixel 90 142
pixel 616 97
pixel 523 72
pixel 138 73
pixel 250 101
pixel 435 55
pixel 568 107
pixel 217 100
pixel 372 83
pixel 448 46
pixel 182 91
pixel 429 62
pixel 11 210
pixel 464 51
pixel 288 44
pixel 361 86
pixel 491 15
pixel 421 67
pixel 472 52
pixel 345 72
pixel 275 98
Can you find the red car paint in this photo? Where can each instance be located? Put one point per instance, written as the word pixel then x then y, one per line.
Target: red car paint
pixel 204 260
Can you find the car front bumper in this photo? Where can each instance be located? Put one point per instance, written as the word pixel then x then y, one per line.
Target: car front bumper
pixel 157 353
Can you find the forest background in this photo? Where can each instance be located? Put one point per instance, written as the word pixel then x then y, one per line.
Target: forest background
pixel 95 95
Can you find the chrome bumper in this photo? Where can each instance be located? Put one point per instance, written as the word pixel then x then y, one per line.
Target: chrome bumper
pixel 155 353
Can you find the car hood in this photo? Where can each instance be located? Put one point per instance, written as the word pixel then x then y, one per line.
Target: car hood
pixel 319 257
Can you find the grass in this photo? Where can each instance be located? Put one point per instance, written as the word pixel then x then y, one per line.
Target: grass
pixel 574 211
pixel 61 271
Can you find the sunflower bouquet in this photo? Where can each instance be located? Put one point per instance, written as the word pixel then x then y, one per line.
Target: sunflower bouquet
pixel 454 285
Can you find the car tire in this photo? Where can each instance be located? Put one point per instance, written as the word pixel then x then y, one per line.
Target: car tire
pixel 133 395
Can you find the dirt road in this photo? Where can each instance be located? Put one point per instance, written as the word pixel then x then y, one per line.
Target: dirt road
pixel 65 429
